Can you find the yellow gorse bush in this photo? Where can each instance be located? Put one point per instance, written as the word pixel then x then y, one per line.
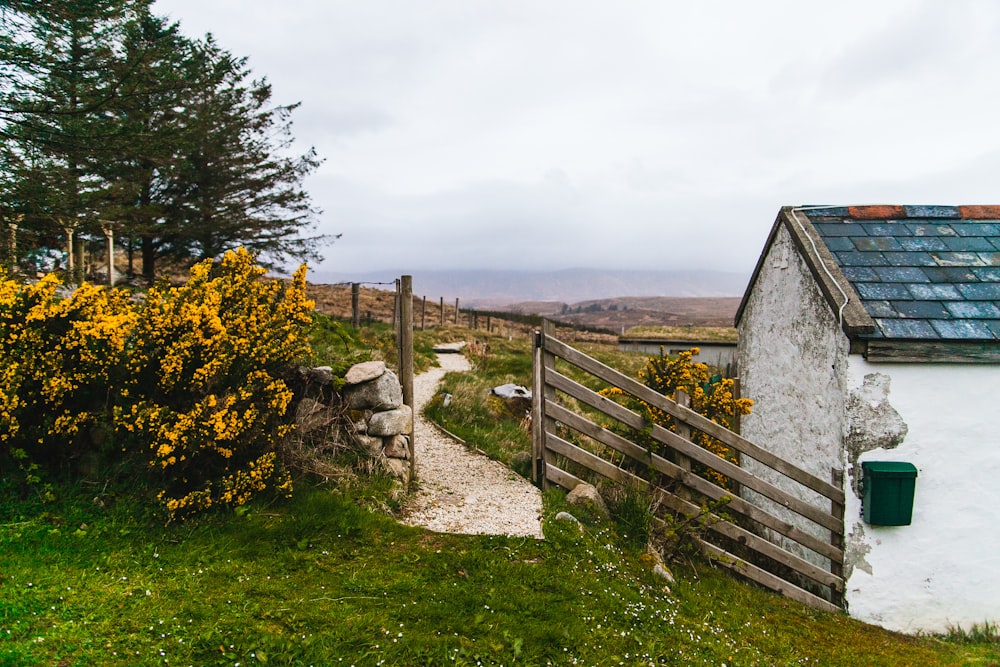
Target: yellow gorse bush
pixel 187 380
pixel 711 396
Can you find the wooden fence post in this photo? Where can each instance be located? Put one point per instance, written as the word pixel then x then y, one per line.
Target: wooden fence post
pixel 441 306
pixel 356 305
pixel 456 311
pixel 406 356
pixel 423 313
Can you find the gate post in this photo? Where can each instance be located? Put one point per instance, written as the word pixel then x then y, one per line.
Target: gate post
pixel 542 361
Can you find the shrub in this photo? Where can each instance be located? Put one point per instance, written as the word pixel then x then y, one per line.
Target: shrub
pixel 711 396
pixel 187 382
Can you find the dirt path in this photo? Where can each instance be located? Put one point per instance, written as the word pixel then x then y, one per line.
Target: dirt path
pixel 462 491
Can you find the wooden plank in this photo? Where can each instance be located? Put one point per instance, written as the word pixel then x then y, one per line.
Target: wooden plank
pixel 755 542
pixel 703 456
pixel 706 488
pixel 561 477
pixel 590 461
pixel 764 578
pixel 718 525
pixel 952 352
pixel 693 419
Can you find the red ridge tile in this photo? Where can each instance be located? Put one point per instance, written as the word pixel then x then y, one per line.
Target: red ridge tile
pixel 878 212
pixel 980 212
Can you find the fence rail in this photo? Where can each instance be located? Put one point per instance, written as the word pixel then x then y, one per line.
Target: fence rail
pixel 803 558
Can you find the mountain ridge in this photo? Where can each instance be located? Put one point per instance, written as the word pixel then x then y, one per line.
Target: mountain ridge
pixel 494 288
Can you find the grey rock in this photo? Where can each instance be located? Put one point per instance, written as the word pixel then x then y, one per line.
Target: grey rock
pixel 398 468
pixel 382 393
pixel 512 391
pixel 364 372
pixel 397 447
pixel 587 496
pixel 370 444
pixel 391 422
pixel 661 571
pixel 321 375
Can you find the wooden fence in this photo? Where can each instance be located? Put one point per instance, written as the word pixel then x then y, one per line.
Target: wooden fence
pixel 808 568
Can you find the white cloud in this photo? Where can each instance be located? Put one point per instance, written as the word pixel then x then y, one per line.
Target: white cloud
pixel 637 133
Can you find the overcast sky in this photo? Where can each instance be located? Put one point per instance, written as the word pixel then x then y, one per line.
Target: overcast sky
pixel 549 134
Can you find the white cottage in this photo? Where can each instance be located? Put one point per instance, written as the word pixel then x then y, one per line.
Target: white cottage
pixel 871 335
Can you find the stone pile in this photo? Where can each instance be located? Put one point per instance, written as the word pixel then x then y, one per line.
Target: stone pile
pixel 383 424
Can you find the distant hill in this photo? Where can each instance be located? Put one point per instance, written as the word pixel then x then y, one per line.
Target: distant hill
pixel 497 289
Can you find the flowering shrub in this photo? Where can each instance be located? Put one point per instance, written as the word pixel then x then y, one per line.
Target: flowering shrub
pixel 187 381
pixel 711 396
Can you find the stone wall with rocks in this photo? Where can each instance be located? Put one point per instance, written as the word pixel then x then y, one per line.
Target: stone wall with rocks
pixel 373 397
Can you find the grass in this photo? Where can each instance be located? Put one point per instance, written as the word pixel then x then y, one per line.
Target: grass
pixel 325 580
pixel 330 578
pixel 683 333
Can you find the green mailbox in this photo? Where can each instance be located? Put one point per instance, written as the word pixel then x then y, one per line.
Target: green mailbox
pixel 887 492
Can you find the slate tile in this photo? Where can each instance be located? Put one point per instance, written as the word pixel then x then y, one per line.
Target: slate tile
pixel 922 243
pixel 980 291
pixel 923 310
pixel 962 329
pixel 932 212
pixel 990 274
pixel 996 242
pixel 906 328
pixel 826 229
pixel 860 274
pixel 990 258
pixel 909 259
pixel 950 274
pixel 969 243
pixel 901 274
pixel 860 259
pixel 890 229
pixel 877 243
pixel 973 310
pixel 931 230
pixel 839 243
pixel 826 211
pixel 957 259
pixel 880 308
pixel 884 291
pixel 994 326
pixel 934 292
pixel 991 229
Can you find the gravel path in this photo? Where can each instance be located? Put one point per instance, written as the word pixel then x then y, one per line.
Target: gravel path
pixel 462 491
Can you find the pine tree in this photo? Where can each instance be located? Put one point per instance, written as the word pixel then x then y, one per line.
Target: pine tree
pixel 236 186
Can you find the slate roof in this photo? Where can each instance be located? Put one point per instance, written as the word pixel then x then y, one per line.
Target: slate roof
pixel 921 272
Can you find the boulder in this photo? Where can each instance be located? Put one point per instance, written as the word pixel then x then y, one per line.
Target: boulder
pixel 321 375
pixel 371 445
pixel 398 468
pixel 364 372
pixel 587 496
pixel 397 447
pixel 381 393
pixel 517 399
pixel 391 422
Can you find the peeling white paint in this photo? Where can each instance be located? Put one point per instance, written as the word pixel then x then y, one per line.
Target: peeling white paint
pixel 944 568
